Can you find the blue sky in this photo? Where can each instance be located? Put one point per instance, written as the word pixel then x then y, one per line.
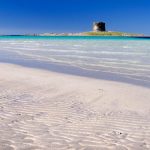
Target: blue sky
pixel 39 16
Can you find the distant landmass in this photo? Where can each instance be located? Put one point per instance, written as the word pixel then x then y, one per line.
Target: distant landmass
pixel 98 29
pixel 92 33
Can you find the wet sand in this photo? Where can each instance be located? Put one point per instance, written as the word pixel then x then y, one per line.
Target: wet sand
pixel 46 110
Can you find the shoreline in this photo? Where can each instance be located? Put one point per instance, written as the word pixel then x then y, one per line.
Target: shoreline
pixel 74 70
pixel 42 109
pixel 61 35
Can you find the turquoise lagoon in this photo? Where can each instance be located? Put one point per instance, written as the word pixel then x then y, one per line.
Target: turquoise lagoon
pixel 122 58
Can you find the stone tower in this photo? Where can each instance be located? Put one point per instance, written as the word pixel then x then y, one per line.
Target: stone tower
pixel 99 26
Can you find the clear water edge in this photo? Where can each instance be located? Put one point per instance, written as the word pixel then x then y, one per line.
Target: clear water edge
pixel 126 57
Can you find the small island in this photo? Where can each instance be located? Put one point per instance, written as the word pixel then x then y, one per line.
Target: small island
pixel 99 29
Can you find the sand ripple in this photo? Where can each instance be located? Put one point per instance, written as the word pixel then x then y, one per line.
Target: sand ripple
pixel 47 111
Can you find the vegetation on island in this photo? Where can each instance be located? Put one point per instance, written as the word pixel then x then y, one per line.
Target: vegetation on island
pixel 110 33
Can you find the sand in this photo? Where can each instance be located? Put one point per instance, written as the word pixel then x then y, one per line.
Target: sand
pixel 43 110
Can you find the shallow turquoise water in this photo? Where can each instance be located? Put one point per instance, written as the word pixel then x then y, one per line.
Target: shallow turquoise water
pixel 129 57
pixel 73 38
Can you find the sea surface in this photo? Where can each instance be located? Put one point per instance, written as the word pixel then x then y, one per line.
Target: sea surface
pixel 124 57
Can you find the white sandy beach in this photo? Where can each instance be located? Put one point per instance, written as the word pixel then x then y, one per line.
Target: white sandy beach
pixel 43 110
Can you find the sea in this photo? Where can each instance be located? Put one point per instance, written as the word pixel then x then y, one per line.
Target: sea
pixel 123 59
